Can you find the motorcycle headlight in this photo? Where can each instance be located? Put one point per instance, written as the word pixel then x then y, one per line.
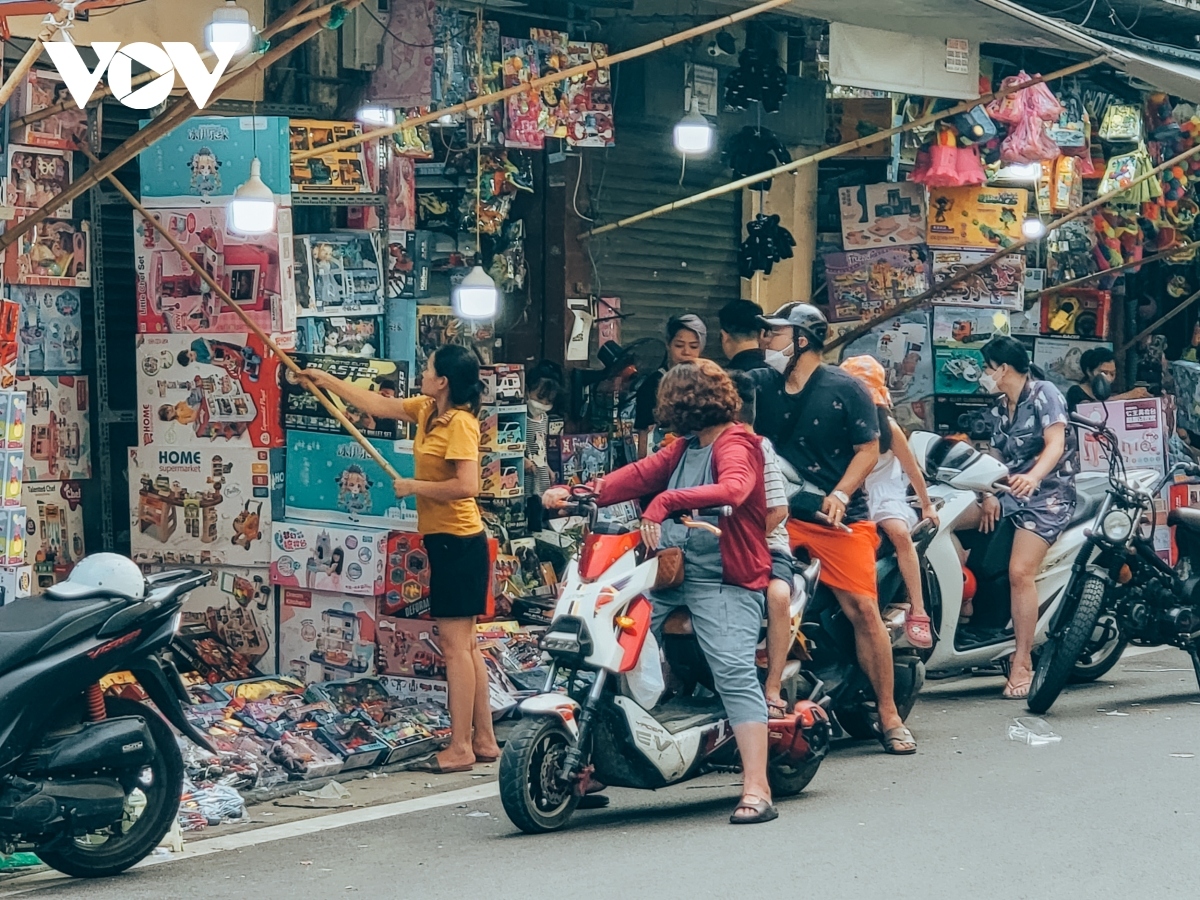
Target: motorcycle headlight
pixel 1117 526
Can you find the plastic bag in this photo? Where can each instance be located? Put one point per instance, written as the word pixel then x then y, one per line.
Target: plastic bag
pixel 1040 102
pixel 1008 109
pixel 645 683
pixel 1028 142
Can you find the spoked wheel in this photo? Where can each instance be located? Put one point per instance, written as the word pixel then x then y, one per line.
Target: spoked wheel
pixel 151 805
pixel 535 800
pixel 1101 653
pixel 1060 654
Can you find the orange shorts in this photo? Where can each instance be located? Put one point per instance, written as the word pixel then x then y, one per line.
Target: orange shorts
pixel 847 558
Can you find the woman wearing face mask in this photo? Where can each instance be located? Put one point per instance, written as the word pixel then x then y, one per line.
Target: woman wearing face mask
pixel 1099 372
pixel 686 336
pixel 1030 435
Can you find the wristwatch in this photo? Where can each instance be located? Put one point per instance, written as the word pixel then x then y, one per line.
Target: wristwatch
pixel 841 497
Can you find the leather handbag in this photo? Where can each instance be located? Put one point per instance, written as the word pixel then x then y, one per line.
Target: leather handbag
pixel 670 569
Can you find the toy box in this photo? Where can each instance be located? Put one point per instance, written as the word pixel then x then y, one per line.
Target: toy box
pixel 409 647
pixel 41 89
pixel 983 218
pixel 10 321
pixel 203 390
pixel 12 464
pixel 303 756
pixel 53 529
pixel 36 175
pixel 338 274
pixel 303 412
pixel 338 172
pixel 882 215
pixel 354 740
pixel 406 577
pixel 400 340
pixel 502 429
pixel 341 336
pixel 205 159
pixel 257 272
pixel 584 457
pixel 1001 284
pixel 16 583
pixel 406 264
pixel 403 729
pixel 325 558
pixel 503 475
pixel 1077 312
pixel 51 334
pixel 55 252
pixel 438 326
pixel 1141 430
pixel 967 326
pixel 854 117
pixel 902 345
pixel 12 536
pixel 957 371
pixel 203 505
pixel 1187 394
pixel 58 435
pixel 1059 359
pixel 227 632
pixel 13 409
pixel 503 385
pixel 331 479
pixel 325 637
pixel 863 283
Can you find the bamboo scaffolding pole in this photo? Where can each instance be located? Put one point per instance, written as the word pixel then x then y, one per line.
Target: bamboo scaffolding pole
pixel 924 297
pixel 535 83
pixel 31 56
pixel 1096 276
pixel 1161 320
pixel 832 152
pixel 63 105
pixel 284 358
pixel 158 129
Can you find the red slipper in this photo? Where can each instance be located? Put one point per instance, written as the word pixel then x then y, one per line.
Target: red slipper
pixel 919 631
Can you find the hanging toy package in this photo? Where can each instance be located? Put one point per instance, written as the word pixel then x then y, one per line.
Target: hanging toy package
pixel 767 242
pixel 1122 123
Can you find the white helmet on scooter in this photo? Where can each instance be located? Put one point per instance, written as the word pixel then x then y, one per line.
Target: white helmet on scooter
pixel 99 574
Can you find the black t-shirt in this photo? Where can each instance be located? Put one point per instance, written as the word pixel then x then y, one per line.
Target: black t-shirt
pixel 1076 395
pixel 748 360
pixel 818 429
pixel 647 399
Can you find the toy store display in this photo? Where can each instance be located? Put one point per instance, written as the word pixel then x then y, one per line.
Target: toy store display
pixel 336 172
pixel 58 435
pixel 53 530
pixel 409 647
pixel 882 215
pixel 1141 430
pixel 36 175
pixel 325 636
pixel 256 271
pixel 1059 358
pixel 361 336
pixel 205 159
pixel 327 558
pixel 338 274
pixel 904 348
pixel 864 283
pixel 984 218
pixel 1001 284
pixel 1079 312
pixel 50 338
pixel 331 479
pixel 438 326
pixel 201 390
pixel 406 264
pixel 39 90
pixel 204 505
pixel 227 631
pixel 53 253
pixel 303 412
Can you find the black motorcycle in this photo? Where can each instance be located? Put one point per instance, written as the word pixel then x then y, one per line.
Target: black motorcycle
pixel 90 783
pixel 1119 585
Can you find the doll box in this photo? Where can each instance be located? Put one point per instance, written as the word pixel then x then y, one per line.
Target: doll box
pixel 41 89
pixel 336 172
pixel 54 253
pixel 51 333
pixel 12 464
pixel 53 530
pixel 331 479
pixel 203 505
pixel 326 558
pixel 12 536
pixel 303 412
pixel 983 218
pixel 338 274
pixel 58 435
pixel 205 159
pixel 215 390
pixel 324 636
pixel 36 175
pixel 258 273
pixel 361 336
pixel 13 410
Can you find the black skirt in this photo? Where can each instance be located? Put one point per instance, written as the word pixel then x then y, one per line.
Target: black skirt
pixel 459 569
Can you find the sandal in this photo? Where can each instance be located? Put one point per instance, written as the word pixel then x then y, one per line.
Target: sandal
pixel 919 631
pixel 433 765
pixel 1017 691
pixel 895 740
pixel 776 709
pixel 763 811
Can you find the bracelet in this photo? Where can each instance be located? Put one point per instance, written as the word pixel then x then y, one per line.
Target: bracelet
pixel 841 497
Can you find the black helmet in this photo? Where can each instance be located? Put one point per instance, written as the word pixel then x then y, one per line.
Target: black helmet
pixel 805 319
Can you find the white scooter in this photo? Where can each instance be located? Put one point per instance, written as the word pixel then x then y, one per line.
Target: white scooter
pixel 956 473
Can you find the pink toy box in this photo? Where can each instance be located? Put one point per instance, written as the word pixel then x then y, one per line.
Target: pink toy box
pixel 327 558
pixel 58 436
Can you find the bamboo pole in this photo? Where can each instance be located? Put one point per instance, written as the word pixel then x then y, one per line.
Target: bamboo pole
pixel 287 20
pixel 1161 320
pixel 158 129
pixel 215 286
pixel 535 83
pixel 832 151
pixel 1096 276
pixel 31 56
pixel 924 297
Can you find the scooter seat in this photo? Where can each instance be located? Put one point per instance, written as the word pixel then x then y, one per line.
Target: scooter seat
pixel 1089 494
pixel 1185 517
pixel 28 625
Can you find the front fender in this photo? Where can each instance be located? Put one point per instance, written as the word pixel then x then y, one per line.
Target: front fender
pixel 559 705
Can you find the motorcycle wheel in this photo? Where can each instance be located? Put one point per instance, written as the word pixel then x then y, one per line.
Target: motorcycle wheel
pixel 860 721
pixel 100 854
pixel 787 780
pixel 532 796
pixel 1098 658
pixel 1059 655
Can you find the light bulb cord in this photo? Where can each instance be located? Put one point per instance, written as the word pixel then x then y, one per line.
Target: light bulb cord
pixel 479 137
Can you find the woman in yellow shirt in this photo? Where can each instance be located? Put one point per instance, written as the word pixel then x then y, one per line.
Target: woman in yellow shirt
pixel 446 463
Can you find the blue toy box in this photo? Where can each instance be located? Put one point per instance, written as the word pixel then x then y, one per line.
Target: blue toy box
pixel 331 479
pixel 204 160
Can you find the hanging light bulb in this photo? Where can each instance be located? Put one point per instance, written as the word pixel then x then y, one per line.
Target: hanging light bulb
pixel 376 114
pixel 252 209
pixel 693 133
pixel 1033 228
pixel 230 23
pixel 476 297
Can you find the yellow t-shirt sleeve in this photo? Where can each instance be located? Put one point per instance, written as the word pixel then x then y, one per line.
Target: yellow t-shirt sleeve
pixel 416 407
pixel 462 437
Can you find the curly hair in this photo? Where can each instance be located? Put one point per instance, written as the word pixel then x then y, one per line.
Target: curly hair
pixel 696 395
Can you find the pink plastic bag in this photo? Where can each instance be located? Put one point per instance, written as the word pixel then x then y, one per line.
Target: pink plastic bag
pixel 1040 102
pixel 1008 109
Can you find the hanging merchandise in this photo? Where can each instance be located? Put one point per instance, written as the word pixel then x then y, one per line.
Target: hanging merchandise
pixel 1070 251
pixel 403 78
pixel 1122 123
pixel 414 141
pixel 946 164
pixel 767 242
pixel 522 111
pixel 1122 171
pixel 500 177
pixel 1119 237
pixel 757 77
pixel 753 150
pixel 1027 113
pixel 973 126
pixel 508 267
pixel 589 98
pixel 1070 131
pixel 1066 192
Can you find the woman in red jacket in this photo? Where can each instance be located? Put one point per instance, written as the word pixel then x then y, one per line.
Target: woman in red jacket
pixel 719 463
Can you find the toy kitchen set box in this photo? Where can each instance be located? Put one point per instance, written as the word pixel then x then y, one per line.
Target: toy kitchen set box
pixel 58 437
pixel 53 529
pixel 228 627
pixel 325 637
pixel 216 390
pixel 328 558
pixel 207 505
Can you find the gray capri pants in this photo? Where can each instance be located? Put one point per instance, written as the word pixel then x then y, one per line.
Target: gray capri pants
pixel 727 621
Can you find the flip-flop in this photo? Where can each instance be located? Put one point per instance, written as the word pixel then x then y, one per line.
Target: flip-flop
pixel 432 765
pixel 1016 692
pixel 763 812
pixel 919 631
pixel 899 735
pixel 593 801
pixel 776 709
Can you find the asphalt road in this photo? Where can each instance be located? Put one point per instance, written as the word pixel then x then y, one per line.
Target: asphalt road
pixel 1108 812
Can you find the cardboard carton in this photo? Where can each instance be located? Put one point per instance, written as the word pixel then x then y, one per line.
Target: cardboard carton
pixel 54 529
pixel 410 647
pixel 36 175
pixel 13 410
pixel 237 609
pixel 1078 312
pixel 338 172
pixel 12 536
pixel 882 215
pixel 361 336
pixel 303 412
pixel 54 253
pixel 1001 284
pixel 983 218
pixel 406 263
pixel 58 435
pixel 331 479
pixel 51 335
pixel 41 89
pixel 338 274
pixel 325 637
pixel 326 558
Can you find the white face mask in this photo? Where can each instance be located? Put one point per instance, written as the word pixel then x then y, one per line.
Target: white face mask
pixel 778 359
pixel 538 408
pixel 988 383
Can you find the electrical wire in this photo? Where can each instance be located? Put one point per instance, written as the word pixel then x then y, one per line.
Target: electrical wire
pixel 1091 9
pixel 575 193
pixel 1116 20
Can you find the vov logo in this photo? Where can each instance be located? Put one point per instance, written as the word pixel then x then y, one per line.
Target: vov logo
pixel 171 58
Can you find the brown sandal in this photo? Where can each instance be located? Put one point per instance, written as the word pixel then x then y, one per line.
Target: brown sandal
pixel 895 739
pixel 776 709
pixel 763 811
